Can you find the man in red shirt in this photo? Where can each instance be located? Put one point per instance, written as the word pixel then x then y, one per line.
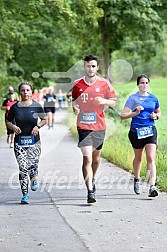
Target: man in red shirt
pixel 7 103
pixel 90 94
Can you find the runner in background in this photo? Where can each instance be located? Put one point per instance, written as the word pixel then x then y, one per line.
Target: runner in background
pixel 7 103
pixel 60 98
pixel 49 106
pixel 11 90
pixel 69 98
pixel 143 107
pixel 36 96
pixel 90 94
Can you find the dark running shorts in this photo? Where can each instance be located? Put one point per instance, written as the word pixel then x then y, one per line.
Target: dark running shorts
pixel 49 109
pixel 140 143
pixel 91 138
pixel 9 131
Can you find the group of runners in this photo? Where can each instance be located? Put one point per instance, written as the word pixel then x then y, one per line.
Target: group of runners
pixel 90 95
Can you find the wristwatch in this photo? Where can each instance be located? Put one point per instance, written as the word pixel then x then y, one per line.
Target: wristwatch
pixel 38 126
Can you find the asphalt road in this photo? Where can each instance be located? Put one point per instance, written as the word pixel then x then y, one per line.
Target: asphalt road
pixel 58 217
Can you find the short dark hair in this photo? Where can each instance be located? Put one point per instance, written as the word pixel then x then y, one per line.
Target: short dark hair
pixel 92 57
pixel 142 76
pixel 25 83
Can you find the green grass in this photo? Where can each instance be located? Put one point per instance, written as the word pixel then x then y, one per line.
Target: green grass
pixel 2 124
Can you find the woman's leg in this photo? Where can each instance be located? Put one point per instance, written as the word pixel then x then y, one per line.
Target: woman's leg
pixel 33 155
pixel 21 157
pixel 137 162
pixel 53 118
pixel 151 167
pixel 49 118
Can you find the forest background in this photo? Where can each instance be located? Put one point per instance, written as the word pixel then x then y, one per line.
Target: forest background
pixel 41 41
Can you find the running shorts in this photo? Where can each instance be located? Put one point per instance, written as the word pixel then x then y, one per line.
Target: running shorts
pixel 49 109
pixel 140 143
pixel 91 138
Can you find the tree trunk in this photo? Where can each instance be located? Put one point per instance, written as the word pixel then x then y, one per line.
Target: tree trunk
pixel 106 54
pixel 106 62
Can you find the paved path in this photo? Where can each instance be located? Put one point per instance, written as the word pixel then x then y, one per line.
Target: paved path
pixel 58 217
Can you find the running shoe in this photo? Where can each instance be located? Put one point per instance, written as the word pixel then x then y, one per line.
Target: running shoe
pixel 34 185
pixel 91 197
pixel 137 186
pixel 93 185
pixel 11 145
pixel 25 199
pixel 153 191
pixel 7 140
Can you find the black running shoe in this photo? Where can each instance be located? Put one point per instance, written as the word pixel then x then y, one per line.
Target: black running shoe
pixel 153 191
pixel 91 197
pixel 137 186
pixel 7 140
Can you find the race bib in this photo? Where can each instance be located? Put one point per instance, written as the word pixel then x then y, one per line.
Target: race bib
pixel 144 132
pixel 50 99
pixel 88 117
pixel 26 141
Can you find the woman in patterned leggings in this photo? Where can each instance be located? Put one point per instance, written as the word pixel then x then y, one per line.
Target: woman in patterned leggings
pixel 27 145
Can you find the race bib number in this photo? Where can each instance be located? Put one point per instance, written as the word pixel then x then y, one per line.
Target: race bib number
pixel 50 99
pixel 88 117
pixel 26 141
pixel 144 132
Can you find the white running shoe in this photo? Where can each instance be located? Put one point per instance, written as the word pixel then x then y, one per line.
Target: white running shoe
pixel 153 192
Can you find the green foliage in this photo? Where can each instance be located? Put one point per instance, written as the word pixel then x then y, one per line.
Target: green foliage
pixel 136 23
pixel 35 38
pixel 50 36
pixel 2 124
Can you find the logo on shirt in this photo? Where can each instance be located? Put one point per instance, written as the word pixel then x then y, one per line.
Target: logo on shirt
pixel 97 89
pixel 84 97
pixel 80 90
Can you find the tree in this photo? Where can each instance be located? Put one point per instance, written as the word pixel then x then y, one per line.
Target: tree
pixel 49 35
pixel 35 37
pixel 137 21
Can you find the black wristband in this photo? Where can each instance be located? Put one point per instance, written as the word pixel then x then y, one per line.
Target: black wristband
pixel 38 126
pixel 157 117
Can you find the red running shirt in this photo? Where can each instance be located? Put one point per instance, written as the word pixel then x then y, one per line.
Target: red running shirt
pixel 91 116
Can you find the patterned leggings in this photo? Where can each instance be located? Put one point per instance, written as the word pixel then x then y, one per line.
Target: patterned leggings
pixel 28 159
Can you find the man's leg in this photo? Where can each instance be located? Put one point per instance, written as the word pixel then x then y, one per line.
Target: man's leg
pixel 88 172
pixel 95 161
pixel 87 166
pixel 95 166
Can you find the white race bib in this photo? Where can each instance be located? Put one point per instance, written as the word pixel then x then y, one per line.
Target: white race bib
pixel 87 117
pixel 144 132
